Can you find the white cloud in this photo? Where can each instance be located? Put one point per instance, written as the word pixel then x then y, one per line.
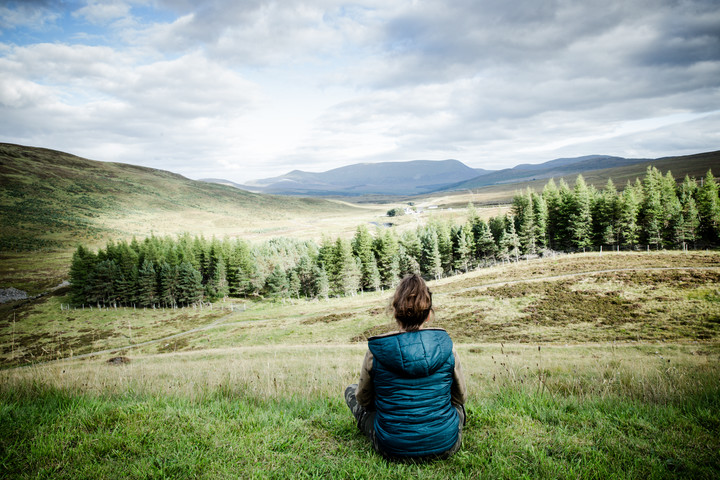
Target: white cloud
pixel 256 88
pixel 100 12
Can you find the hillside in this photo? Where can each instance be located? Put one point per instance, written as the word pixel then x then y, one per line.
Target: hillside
pixel 553 168
pixel 385 178
pixel 51 199
pixel 595 169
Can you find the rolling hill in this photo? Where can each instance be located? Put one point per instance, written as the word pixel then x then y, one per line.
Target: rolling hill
pixel 386 178
pixel 424 177
pixel 51 199
pixel 554 168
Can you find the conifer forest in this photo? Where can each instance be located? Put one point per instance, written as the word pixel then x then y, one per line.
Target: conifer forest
pixel 657 212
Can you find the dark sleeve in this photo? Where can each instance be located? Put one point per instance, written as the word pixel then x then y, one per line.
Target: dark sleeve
pixel 458 391
pixel 366 390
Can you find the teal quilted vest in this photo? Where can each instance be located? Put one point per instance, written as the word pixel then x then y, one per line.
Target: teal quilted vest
pixel 412 375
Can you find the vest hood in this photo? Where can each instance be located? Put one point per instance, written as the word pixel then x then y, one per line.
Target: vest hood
pixel 412 354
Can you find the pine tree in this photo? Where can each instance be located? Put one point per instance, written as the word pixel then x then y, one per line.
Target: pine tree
pixel 690 217
pixel 215 277
pixel 672 211
pixel 431 263
pixel 100 283
pixel 83 264
pixel 708 205
pixel 362 244
pixel 628 210
pixel 344 274
pixel 566 208
pixel 322 284
pixel 168 284
pixel 540 216
pixel 407 263
pixel 580 217
pixel 525 222
pixel 605 215
pixel 444 246
pixel 147 284
pixel 511 240
pixel 485 243
pixel 651 208
pixel 375 281
pixel 277 283
pixel 189 288
pixel 463 247
pixel 551 195
pixel 293 284
pixel 388 261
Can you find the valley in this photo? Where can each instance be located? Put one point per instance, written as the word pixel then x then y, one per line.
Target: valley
pixel 578 365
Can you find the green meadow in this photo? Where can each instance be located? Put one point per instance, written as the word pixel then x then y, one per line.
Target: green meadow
pixel 578 366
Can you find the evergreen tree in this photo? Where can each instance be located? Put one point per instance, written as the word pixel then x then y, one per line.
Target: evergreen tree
pixel 277 283
pixel 580 218
pixel 485 243
pixel 690 217
pixel 672 211
pixel 431 263
pixel 412 246
pixel 540 216
pixel 245 276
pixel 293 284
pixel 444 246
pixel 407 263
pixel 307 271
pixel 708 205
pixel 322 283
pixel 605 215
pixel 127 282
pixel 215 278
pixel 147 284
pixel 100 283
pixel 375 281
pixel 566 209
pixel 551 196
pixel 628 210
pixel 189 287
pixel 388 260
pixel 651 208
pixel 362 244
pixel 82 266
pixel 168 284
pixel 524 214
pixel 463 247
pixel 511 240
pixel 344 274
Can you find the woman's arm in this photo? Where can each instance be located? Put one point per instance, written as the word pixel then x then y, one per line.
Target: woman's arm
pixel 366 390
pixel 458 391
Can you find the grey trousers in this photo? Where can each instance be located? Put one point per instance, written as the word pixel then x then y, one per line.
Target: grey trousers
pixel 366 423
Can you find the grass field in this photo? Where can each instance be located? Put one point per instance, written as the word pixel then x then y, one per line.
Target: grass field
pixel 583 366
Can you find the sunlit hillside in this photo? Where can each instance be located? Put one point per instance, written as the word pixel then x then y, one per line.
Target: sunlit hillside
pixel 51 199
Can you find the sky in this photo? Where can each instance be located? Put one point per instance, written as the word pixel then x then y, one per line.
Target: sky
pixel 250 89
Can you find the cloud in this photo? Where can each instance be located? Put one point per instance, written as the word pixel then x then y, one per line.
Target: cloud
pixel 101 13
pixel 32 14
pixel 259 87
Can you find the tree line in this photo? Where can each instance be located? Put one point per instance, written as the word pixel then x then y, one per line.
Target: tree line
pixel 656 212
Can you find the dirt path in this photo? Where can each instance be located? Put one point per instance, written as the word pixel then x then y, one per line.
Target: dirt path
pixel 221 321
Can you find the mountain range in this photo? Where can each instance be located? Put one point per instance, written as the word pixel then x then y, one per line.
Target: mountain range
pixel 420 177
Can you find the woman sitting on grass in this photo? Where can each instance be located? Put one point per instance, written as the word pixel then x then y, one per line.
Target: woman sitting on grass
pixel 409 400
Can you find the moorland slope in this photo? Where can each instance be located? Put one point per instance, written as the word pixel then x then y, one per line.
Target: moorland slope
pixel 51 199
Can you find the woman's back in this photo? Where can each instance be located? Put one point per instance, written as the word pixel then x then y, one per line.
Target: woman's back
pixel 412 377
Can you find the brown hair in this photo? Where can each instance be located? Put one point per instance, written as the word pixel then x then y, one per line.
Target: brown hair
pixel 412 302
